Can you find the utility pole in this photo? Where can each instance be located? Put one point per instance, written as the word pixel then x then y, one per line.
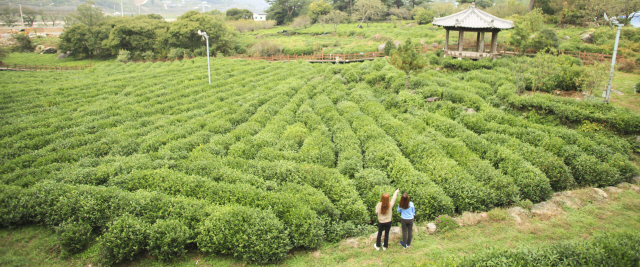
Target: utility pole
pixel 614 20
pixel 21 18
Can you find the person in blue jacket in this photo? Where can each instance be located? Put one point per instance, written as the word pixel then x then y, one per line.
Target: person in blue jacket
pixel 407 212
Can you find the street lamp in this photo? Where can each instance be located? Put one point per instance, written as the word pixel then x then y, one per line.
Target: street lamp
pixel 614 21
pixel 205 36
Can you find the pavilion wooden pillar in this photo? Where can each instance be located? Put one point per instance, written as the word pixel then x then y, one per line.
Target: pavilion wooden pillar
pixel 494 41
pixel 460 40
pixel 481 42
pixel 478 42
pixel 446 41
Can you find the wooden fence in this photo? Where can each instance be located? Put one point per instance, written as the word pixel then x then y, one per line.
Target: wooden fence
pixel 34 67
pixel 339 58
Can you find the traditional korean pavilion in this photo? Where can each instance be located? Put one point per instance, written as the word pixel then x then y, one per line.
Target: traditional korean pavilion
pixel 473 20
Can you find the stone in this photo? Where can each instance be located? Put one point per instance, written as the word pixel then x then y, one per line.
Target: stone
pixel 393 233
pixel 635 188
pixel 638 138
pixel 470 110
pixel 39 49
pixel 352 242
pixel 599 194
pixel 566 198
pixel 49 50
pixel 431 228
pixel 61 56
pixel 612 190
pixel 567 38
pixel 545 210
pixel 381 47
pixel 636 179
pixel 397 43
pixel 435 45
pixel 587 38
pixel 433 99
pixel 518 214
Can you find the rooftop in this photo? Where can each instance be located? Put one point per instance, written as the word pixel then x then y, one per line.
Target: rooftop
pixel 473 18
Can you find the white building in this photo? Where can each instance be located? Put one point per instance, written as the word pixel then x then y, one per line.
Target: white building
pixel 260 16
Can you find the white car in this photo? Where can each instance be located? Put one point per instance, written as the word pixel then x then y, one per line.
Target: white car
pixel 634 19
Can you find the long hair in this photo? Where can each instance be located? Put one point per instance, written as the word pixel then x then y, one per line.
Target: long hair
pixel 404 201
pixel 385 203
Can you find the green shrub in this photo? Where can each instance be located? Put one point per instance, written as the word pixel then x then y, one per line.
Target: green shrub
pixel 337 231
pixel 444 223
pixel 368 179
pixel 123 56
pixel 168 238
pixel 73 237
pixel 615 249
pixel 497 214
pixel 251 234
pixel 124 239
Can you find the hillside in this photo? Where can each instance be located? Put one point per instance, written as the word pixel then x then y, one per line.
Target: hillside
pixel 279 157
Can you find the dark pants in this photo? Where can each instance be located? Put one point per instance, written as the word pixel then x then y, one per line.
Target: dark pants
pixel 386 227
pixel 407 231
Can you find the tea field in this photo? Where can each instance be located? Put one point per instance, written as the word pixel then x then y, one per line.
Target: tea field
pixel 276 157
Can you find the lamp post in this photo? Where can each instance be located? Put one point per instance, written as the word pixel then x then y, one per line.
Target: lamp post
pixel 205 36
pixel 614 21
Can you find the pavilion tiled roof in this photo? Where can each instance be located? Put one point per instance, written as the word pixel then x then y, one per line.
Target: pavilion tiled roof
pixel 473 18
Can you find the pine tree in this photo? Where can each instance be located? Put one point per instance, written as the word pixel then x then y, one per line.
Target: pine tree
pixel 407 59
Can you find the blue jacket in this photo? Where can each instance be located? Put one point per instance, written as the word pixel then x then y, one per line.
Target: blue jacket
pixel 409 213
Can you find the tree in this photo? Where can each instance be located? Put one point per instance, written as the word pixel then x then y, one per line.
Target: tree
pixel 415 3
pixel 85 14
pixel 183 32
pixel 80 39
pixel 335 17
pixel 369 10
pixel 237 14
pixel 50 16
pixel 284 10
pixel 137 36
pixel 318 9
pixel 9 15
pixel 300 22
pixel 30 15
pixel 484 3
pixel 423 15
pixel 407 59
pixel 525 26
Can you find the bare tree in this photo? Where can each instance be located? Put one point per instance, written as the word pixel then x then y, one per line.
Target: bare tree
pixel 369 10
pixel 9 16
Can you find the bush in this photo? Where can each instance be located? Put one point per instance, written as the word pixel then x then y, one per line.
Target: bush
pixel 367 179
pixel 24 42
pixel 149 55
pixel 73 237
pixel 301 22
pixel 615 249
pixel 444 223
pixel 422 15
pixel 497 214
pixel 265 48
pixel 168 238
pixel 389 47
pixel 252 234
pixel 123 56
pixel 124 239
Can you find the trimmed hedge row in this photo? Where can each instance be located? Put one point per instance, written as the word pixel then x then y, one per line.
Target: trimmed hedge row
pixel 347 144
pixel 505 190
pixel 614 249
pixel 533 183
pixel 302 220
pixel 264 237
pixel 340 190
pixel 621 120
pixel 466 192
pixel 381 152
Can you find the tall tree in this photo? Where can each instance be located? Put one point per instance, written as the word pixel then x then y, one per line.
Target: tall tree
pixel 85 14
pixel 335 17
pixel 291 6
pixel 407 59
pixel 29 15
pixel 237 14
pixel 369 10
pixel 52 16
pixel 318 9
pixel 8 16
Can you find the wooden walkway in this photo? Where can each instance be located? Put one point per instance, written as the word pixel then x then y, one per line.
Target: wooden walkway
pixel 33 67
